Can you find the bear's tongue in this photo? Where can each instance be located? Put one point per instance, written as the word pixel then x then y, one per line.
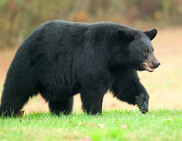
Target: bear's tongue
pixel 148 68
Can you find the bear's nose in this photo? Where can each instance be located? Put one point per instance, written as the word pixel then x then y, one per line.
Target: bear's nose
pixel 156 64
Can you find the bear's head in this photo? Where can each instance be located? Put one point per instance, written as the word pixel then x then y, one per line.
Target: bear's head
pixel 139 50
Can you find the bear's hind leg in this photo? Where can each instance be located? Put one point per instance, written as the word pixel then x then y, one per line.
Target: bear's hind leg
pixel 17 90
pixel 12 102
pixel 64 106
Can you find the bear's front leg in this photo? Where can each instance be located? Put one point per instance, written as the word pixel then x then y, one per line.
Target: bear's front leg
pixel 92 103
pixel 64 106
pixel 142 102
pixel 127 87
pixel 93 90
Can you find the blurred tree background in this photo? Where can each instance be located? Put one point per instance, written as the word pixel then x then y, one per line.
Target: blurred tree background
pixel 18 18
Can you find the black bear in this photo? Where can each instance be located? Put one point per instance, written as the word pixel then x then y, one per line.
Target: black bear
pixel 60 59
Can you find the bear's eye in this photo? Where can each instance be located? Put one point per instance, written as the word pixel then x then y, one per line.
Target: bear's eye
pixel 145 51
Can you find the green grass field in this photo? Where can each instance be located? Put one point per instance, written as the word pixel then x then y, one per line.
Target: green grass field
pixel 160 125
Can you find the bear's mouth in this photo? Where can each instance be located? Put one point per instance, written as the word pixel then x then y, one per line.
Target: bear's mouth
pixel 147 67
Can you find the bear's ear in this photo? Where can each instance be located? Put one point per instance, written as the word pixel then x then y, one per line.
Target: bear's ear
pixel 125 35
pixel 151 34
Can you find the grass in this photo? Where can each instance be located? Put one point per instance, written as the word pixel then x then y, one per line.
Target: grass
pixel 112 125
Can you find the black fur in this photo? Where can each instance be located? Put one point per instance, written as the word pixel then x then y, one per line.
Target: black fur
pixel 60 59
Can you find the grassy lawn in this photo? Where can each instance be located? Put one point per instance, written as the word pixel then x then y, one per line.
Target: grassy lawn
pixel 112 125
